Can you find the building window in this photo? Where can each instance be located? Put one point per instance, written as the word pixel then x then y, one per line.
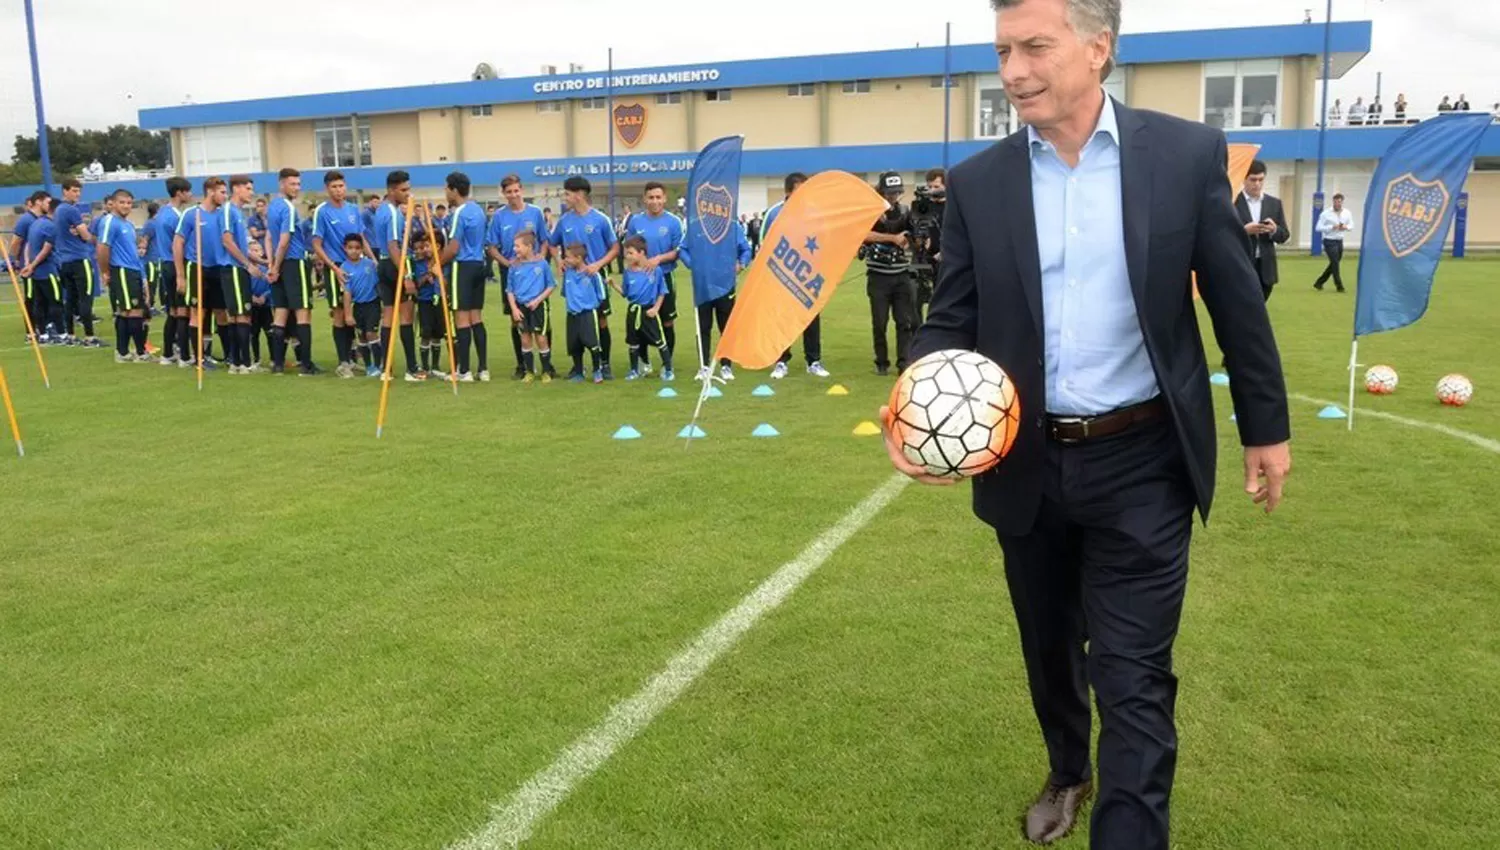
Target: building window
pixel 221 149
pixel 342 142
pixel 668 98
pixel 1242 94
pixel 856 87
pixel 937 82
pixel 801 90
pixel 594 103
pixel 993 117
pixel 482 111
pixel 549 106
pixel 716 95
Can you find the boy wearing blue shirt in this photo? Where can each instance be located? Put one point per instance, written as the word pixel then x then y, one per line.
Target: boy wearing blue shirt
pixel 262 317
pixel 120 266
pixel 236 275
pixel 663 233
pixel 581 292
pixel 197 228
pixel 41 269
pixel 290 275
pixel 463 258
pixel 514 218
pixel 423 274
pixel 531 284
pixel 163 227
pixel 75 262
pixel 645 290
pixel 333 222
pixel 390 227
pixel 362 286
pixel 583 224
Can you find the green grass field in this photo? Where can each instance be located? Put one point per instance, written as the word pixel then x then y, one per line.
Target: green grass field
pixel 233 619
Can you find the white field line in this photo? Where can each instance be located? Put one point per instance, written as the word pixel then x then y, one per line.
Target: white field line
pixel 1485 443
pixel 513 822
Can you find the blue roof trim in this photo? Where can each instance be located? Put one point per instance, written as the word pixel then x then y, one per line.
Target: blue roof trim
pixel 1143 48
pixel 1277 146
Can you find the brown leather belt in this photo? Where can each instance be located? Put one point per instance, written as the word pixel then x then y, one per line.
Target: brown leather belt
pixel 1077 429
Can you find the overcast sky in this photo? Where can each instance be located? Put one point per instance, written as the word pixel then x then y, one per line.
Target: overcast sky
pixel 1426 48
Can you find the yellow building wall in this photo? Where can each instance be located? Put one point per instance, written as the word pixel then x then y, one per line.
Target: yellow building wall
pixel 591 128
pixel 766 116
pixel 1175 88
pixel 436 140
pixel 894 111
pixel 290 144
pixel 514 131
pixel 1299 92
pixel 665 132
pixel 1484 208
pixel 395 139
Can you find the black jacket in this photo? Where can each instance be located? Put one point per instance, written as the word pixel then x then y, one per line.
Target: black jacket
pixel 1270 207
pixel 1178 219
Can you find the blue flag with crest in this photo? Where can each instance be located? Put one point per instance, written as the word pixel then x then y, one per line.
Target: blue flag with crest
pixel 712 213
pixel 1407 215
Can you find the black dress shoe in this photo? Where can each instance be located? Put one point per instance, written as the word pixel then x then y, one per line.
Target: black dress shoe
pixel 1055 812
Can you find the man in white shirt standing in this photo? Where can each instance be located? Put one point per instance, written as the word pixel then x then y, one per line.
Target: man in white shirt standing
pixel 1334 224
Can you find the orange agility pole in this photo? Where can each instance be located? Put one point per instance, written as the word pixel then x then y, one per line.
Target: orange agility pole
pixel 202 314
pixel 390 350
pixel 10 411
pixel 437 263
pixel 36 344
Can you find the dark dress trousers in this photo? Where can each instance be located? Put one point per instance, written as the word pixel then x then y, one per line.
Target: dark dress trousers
pixel 1264 244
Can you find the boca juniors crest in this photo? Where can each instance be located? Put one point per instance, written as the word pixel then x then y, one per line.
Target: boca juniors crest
pixel 1412 212
pixel 715 205
pixel 630 123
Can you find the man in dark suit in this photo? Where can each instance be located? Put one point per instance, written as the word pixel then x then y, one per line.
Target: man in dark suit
pixel 1265 223
pixel 1067 254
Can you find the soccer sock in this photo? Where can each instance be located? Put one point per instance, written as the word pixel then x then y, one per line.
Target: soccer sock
pixel 409 348
pixel 226 342
pixel 338 343
pixel 635 359
pixel 547 362
pixel 278 345
pixel 527 361
pixel 670 332
pixel 595 357
pixel 304 344
pixel 343 340
pixel 377 354
pixel 138 333
pixel 122 341
pixel 515 344
pixel 242 334
pixel 464 335
pixel 427 364
pixel 578 363
pixel 185 334
pixel 482 345
pixel 666 357
pixel 604 340
pixel 169 337
pixel 385 344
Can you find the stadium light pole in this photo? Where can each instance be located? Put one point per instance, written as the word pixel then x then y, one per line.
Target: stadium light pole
pixel 1317 241
pixel 36 94
pixel 947 91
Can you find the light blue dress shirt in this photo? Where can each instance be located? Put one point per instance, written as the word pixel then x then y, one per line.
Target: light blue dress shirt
pixel 1096 357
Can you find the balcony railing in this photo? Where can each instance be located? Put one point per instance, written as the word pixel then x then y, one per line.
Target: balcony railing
pixel 1388 118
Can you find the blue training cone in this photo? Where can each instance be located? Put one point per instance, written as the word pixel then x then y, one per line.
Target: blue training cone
pixel 765 431
pixel 1331 412
pixel 627 433
pixel 715 392
pixel 667 392
pixel 1219 379
pixel 691 432
pixel 763 391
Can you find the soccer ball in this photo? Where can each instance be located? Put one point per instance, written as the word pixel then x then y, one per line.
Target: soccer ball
pixel 1455 390
pixel 1381 380
pixel 956 413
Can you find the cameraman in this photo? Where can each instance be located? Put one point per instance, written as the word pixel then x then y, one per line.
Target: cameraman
pixel 927 219
pixel 889 280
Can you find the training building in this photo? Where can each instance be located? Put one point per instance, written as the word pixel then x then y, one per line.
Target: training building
pixel 860 112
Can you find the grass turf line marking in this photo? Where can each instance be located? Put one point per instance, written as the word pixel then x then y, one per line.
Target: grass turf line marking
pixel 1483 442
pixel 513 823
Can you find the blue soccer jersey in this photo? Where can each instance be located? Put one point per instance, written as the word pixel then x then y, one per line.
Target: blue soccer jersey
pixel 43 232
pixel 212 228
pixel 332 223
pixel 119 235
pixel 70 246
pixel 592 229
pixel 162 228
pixel 390 224
pixel 426 291
pixel 643 286
pixel 362 279
pixel 281 220
pixel 238 230
pixel 467 227
pixel 663 233
pixel 530 279
pixel 583 292
pixel 23 230
pixel 506 224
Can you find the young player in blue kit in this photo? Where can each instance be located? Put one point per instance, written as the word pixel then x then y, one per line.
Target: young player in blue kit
pixel 582 292
pixel 463 257
pixel 508 221
pixel 120 266
pixel 335 220
pixel 361 285
pixel 262 317
pixel 423 273
pixel 237 274
pixel 646 291
pixel 663 233
pixel 206 221
pixel 583 224
pixel 42 270
pixel 530 285
pixel 76 263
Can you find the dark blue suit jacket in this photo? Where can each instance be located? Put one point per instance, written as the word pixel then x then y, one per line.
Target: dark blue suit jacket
pixel 1179 218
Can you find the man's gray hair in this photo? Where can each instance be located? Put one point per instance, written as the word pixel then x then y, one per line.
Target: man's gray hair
pixel 1089 18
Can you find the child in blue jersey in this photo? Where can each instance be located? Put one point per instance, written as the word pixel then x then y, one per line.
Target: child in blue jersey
pixel 262 317
pixel 361 285
pixel 433 326
pixel 529 285
pixel 584 293
pixel 645 290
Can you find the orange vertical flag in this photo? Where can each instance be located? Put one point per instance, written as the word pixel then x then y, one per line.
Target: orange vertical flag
pixel 1241 155
pixel 805 256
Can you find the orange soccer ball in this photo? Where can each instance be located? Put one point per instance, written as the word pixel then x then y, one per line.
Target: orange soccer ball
pixel 956 413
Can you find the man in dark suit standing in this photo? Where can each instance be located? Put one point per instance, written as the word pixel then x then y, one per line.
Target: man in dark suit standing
pixel 1067 254
pixel 1265 224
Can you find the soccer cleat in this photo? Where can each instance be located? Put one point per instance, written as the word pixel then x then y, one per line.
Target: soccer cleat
pixel 253 369
pixel 816 369
pixel 484 376
pixel 645 369
pixel 124 358
pixel 528 379
pixel 466 378
pixel 145 358
pixel 372 371
pixel 575 377
pixel 726 372
pixel 779 371
pixel 633 375
pixel 598 376
pixel 344 370
pixel 668 375
pixel 546 377
pixel 519 374
pixel 186 363
pixel 278 369
pixel 438 374
pixel 704 373
pixel 168 361
pixel 92 342
pixel 608 372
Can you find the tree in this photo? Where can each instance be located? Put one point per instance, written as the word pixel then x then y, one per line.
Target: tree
pixel 24 174
pixel 119 147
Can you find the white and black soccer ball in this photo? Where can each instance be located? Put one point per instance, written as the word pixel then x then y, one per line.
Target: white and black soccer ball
pixel 956 413
pixel 1381 380
pixel 1455 390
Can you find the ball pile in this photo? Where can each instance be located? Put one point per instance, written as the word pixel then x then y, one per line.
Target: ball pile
pixel 1381 380
pixel 1455 390
pixel 956 413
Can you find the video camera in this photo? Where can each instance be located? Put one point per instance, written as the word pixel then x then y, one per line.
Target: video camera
pixel 927 226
